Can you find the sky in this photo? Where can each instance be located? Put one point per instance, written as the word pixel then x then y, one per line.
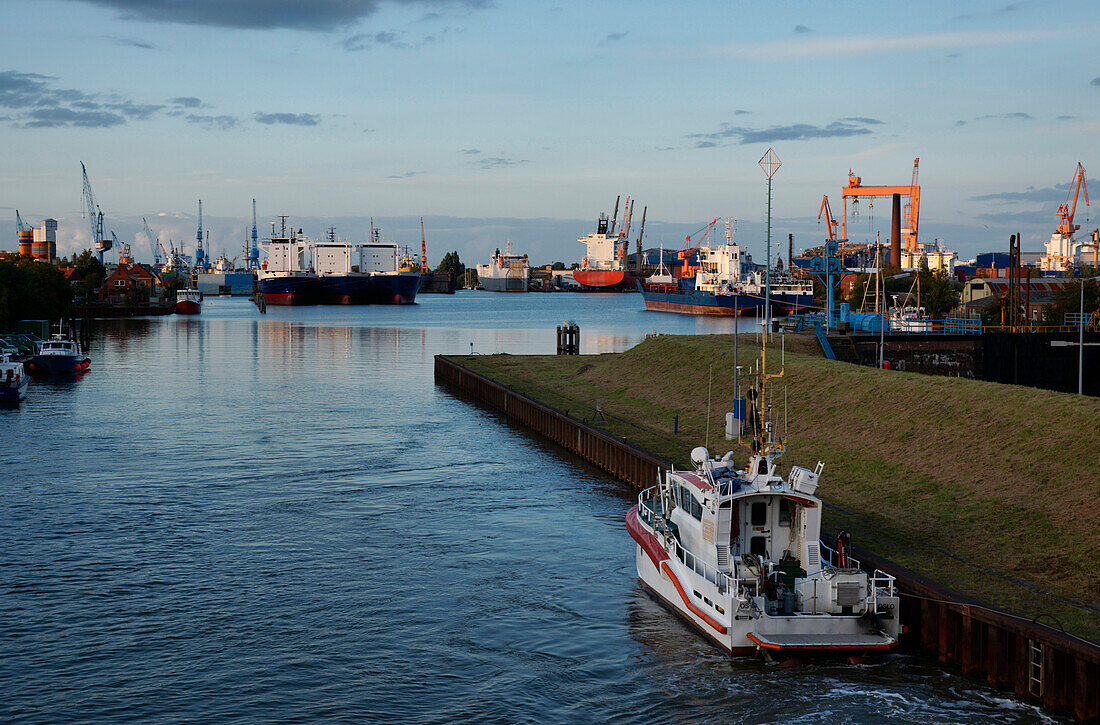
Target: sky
pixel 506 121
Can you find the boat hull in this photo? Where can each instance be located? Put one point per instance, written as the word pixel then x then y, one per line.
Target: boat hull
pixel 503 284
pixel 57 364
pixel 188 307
pixel 370 289
pixel 675 298
pixel 14 392
pixel 715 614
pixel 291 290
pixel 605 280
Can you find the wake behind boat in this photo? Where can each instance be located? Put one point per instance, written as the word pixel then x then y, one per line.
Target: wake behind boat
pixel 736 552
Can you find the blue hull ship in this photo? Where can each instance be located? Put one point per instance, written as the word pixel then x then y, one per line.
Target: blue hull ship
pixel 370 289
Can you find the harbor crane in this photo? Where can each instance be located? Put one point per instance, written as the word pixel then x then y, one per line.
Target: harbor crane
pixel 154 242
pixel 692 242
pixel 200 253
pixel 253 260
pixel 829 221
pixel 21 225
pixel 911 215
pixel 94 214
pixel 1066 211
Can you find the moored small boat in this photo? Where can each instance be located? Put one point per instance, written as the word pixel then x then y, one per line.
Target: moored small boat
pixel 58 356
pixel 188 301
pixel 737 553
pixel 14 380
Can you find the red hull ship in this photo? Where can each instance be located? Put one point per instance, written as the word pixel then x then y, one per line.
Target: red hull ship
pixel 604 268
pixel 605 280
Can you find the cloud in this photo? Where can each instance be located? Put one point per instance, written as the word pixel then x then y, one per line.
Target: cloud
pixel 186 101
pixel 1016 115
pixel 1095 81
pixel 1065 118
pixel 261 14
pixel 821 46
pixel 864 120
pixel 133 43
pixel 1012 7
pixel 221 122
pixel 406 175
pixel 801 29
pixel 499 162
pixel 617 36
pixel 741 112
pixel 960 123
pixel 1046 195
pixel 470 152
pixel 44 105
pixel 363 41
pixel 289 119
pixel 795 132
pixel 53 117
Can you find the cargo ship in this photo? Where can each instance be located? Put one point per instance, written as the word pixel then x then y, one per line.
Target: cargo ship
pixel 286 277
pixel 505 272
pixel 224 279
pixel 604 267
pixel 363 274
pixel 725 283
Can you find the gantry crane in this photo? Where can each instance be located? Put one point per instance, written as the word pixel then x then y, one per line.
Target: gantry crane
pixel 855 189
pixel 1065 212
pixel 94 215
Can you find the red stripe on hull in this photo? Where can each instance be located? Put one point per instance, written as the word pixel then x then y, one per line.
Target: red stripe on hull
pixel 734 652
pixel 285 298
pixel 694 309
pixel 646 540
pixel 822 647
pixel 188 307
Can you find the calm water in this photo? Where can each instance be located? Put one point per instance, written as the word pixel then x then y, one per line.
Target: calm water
pixel 245 517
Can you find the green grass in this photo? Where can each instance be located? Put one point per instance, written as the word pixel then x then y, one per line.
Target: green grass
pixel 971 484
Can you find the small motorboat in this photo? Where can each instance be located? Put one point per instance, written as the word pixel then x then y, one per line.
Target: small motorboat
pixel 14 380
pixel 59 355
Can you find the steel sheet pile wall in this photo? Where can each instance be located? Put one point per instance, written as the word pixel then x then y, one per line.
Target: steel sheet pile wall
pixel 621 459
pixel 1038 662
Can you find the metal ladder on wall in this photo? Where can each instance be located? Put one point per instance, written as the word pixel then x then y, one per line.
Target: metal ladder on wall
pixel 1035 668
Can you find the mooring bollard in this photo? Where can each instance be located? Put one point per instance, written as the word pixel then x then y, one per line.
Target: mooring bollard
pixel 569 338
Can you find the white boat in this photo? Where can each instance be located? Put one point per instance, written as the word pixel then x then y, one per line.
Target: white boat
pixel 506 272
pixel 736 552
pixel 14 380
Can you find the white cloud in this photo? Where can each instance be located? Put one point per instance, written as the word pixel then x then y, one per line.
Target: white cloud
pixel 850 45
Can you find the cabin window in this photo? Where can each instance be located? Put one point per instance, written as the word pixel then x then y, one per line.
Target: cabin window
pixel 758 545
pixel 762 468
pixel 784 512
pixel 696 509
pixel 759 515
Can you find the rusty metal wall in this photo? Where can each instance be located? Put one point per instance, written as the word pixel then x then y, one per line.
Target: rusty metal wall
pixel 1040 663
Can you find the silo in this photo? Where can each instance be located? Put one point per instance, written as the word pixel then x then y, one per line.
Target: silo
pixel 26 241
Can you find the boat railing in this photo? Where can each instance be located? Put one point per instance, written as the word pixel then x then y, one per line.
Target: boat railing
pixel 724 581
pixel 878 581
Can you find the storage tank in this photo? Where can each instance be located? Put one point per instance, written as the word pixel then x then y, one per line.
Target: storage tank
pixel 866 322
pixel 26 242
pixel 40 249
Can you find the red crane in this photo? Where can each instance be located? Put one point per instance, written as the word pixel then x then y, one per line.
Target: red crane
pixel 1065 212
pixel 829 221
pixel 423 249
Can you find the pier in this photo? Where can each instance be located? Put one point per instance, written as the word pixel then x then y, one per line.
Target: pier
pixel 1037 653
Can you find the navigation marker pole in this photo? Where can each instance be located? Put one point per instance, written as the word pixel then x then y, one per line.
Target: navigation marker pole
pixel 770 163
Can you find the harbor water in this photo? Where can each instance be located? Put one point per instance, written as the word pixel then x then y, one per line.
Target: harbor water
pixel 239 518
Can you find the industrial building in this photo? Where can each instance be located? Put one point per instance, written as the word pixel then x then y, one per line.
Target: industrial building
pixel 38 242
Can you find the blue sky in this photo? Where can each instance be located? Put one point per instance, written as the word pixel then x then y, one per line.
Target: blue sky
pixel 500 120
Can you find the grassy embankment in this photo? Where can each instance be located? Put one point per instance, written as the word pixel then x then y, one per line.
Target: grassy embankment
pixel 993 490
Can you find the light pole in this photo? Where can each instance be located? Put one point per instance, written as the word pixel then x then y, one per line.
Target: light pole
pixel 770 163
pixel 1081 335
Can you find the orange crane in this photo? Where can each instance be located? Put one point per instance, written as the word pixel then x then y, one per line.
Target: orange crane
pixel 856 189
pixel 690 248
pixel 1065 212
pixel 829 221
